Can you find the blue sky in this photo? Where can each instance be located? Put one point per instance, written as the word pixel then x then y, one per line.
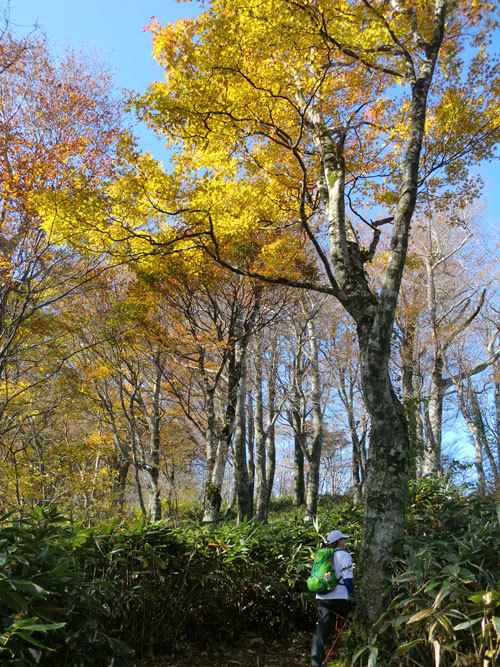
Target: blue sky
pixel 114 30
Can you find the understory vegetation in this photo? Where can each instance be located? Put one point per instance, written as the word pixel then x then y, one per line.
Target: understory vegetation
pixel 77 595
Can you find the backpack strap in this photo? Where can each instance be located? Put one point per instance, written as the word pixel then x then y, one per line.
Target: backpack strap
pixel 340 579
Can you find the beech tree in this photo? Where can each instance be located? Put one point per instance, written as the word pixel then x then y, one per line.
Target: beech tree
pixel 285 116
pixel 334 94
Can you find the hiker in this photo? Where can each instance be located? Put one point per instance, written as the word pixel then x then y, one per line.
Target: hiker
pixel 336 602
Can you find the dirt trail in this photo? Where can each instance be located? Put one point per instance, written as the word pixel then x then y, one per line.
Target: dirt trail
pixel 251 650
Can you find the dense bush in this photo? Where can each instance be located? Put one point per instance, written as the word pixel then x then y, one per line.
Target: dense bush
pixel 71 595
pixel 197 583
pixel 48 608
pixel 77 592
pixel 445 607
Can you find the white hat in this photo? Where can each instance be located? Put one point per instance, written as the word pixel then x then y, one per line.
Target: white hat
pixel 334 536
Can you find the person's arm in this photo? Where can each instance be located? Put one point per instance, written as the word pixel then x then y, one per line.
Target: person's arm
pixel 347 573
pixel 349 584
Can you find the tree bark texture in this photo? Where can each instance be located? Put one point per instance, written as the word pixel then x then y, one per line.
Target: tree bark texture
pixel 431 460
pixel 271 420
pixel 260 437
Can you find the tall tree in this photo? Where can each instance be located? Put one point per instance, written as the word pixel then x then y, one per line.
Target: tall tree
pixel 320 88
pixel 442 296
pixel 284 115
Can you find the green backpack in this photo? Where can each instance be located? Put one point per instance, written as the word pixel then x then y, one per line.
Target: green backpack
pixel 322 578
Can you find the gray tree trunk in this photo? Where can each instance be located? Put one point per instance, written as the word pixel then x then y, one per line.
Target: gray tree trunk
pixel 152 468
pixel 346 394
pixel 297 418
pixel 431 461
pixel 411 397
pixel 260 438
pixel 251 445
pixel 474 430
pixel 244 498
pixel 271 420
pixel 496 382
pixel 483 444
pixel 314 458
pixel 213 497
pixel 299 489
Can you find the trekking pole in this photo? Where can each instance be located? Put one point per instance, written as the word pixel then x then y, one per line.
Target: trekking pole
pixel 338 632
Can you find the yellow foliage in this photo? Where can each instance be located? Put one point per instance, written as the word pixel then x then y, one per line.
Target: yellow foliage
pixel 250 87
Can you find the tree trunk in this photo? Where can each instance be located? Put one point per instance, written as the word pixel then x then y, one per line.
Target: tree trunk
pixel 483 439
pixel 213 499
pixel 299 489
pixel 271 419
pixel 431 462
pixel 297 421
pixel 211 495
pixel 251 447
pixel 346 395
pixel 260 438
pixel 474 430
pixel 314 458
pixel 120 467
pixel 152 468
pixel 386 487
pixel 496 382
pixel 411 397
pixel 357 484
pixel 245 509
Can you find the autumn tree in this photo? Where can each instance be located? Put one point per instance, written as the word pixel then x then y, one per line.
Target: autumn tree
pixel 59 128
pixel 301 130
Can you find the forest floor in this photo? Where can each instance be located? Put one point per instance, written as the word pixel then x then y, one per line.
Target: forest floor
pixel 252 650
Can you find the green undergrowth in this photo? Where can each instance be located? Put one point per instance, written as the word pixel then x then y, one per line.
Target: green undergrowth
pixel 80 596
pixel 110 595
pixel 445 599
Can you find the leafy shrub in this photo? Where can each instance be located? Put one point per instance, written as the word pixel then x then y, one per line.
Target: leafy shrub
pixel 47 607
pixel 446 605
pixel 199 583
